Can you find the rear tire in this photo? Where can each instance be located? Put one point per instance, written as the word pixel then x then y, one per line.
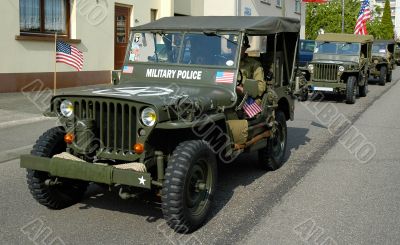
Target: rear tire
pixel 61 195
pixel 389 77
pixel 363 90
pixel 272 156
pixel 383 76
pixel 351 92
pixel 189 185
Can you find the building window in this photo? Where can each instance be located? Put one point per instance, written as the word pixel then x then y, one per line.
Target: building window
pixel 279 3
pixel 297 6
pixel 44 16
pixel 266 1
pixel 153 14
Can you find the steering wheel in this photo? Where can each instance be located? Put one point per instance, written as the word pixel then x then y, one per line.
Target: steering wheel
pixel 240 80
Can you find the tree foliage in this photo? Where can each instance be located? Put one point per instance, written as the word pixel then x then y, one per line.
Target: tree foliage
pixel 387 24
pixel 328 17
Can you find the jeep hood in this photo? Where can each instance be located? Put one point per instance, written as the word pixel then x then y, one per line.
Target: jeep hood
pixel 160 94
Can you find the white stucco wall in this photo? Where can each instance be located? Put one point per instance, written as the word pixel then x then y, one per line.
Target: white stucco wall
pixel 95 29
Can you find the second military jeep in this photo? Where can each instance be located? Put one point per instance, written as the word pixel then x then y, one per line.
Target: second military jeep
pixel 173 116
pixel 383 61
pixel 340 65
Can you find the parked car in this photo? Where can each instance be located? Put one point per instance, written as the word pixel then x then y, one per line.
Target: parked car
pixel 171 117
pixel 341 65
pixel 383 61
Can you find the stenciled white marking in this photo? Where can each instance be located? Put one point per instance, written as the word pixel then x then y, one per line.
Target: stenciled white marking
pixel 135 91
pixel 141 180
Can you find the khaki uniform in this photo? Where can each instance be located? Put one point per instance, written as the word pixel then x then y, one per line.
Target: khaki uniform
pixel 252 69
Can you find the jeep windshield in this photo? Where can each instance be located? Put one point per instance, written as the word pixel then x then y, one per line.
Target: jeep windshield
pixel 208 49
pixel 378 48
pixel 336 48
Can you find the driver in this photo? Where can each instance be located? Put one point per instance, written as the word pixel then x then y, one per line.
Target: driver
pixel 250 68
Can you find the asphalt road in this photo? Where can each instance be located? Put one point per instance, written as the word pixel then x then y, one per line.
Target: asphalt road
pixel 323 193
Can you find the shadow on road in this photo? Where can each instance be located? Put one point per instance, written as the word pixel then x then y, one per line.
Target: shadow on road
pixel 242 172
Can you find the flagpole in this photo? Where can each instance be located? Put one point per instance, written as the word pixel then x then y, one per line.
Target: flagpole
pixel 55 64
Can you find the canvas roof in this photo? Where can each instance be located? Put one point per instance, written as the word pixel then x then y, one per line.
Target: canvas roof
pixel 342 37
pixel 384 41
pixel 249 24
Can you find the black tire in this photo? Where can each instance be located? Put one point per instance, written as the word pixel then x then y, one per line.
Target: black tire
pixel 389 77
pixel 59 196
pixel 303 96
pixel 351 90
pixel 184 205
pixel 363 90
pixel 273 155
pixel 383 76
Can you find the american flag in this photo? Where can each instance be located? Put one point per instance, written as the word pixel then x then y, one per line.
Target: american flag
pixel 251 108
pixel 69 55
pixel 363 16
pixel 224 77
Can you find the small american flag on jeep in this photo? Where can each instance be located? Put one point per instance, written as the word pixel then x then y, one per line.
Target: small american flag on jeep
pixel 224 77
pixel 251 108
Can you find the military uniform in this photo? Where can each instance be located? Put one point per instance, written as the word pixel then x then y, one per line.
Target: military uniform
pixel 252 69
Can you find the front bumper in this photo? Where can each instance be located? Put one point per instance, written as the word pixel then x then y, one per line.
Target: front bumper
pixel 105 174
pixel 326 86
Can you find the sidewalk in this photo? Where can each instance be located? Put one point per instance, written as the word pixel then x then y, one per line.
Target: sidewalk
pixel 27 107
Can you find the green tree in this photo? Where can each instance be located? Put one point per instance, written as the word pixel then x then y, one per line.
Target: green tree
pixel 387 24
pixel 328 16
pixel 374 26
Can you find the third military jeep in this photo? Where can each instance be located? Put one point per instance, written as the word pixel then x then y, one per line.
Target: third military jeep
pixel 341 65
pixel 174 114
pixel 383 61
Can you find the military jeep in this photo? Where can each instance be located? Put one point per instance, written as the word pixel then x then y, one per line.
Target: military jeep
pixel 173 116
pixel 340 65
pixel 383 61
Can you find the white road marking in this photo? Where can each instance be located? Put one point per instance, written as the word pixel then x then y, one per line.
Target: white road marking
pixel 24 121
pixel 14 153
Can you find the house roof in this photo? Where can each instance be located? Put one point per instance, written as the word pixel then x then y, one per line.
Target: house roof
pixel 256 25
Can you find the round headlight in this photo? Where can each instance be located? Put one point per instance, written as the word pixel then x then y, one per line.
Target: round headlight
pixel 310 67
pixel 341 68
pixel 149 117
pixel 66 108
pixel 376 61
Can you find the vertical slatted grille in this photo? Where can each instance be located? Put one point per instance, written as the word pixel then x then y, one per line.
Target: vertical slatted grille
pixel 326 72
pixel 115 122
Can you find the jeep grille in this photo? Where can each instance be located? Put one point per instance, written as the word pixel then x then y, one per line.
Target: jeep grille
pixel 325 72
pixel 115 122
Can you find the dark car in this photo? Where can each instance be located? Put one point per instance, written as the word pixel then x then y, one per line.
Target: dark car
pixel 306 52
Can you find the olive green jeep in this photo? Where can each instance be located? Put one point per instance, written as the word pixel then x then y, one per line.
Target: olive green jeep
pixel 172 115
pixel 341 65
pixel 383 61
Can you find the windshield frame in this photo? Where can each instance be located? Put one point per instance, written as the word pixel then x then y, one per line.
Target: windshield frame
pixel 379 53
pixel 319 43
pixel 235 56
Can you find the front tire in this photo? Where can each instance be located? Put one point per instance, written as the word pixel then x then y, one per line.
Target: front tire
pixel 272 156
pixel 189 185
pixel 59 196
pixel 351 92
pixel 383 76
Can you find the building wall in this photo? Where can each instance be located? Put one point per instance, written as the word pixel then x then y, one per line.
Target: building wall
pixel 91 22
pixel 255 8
